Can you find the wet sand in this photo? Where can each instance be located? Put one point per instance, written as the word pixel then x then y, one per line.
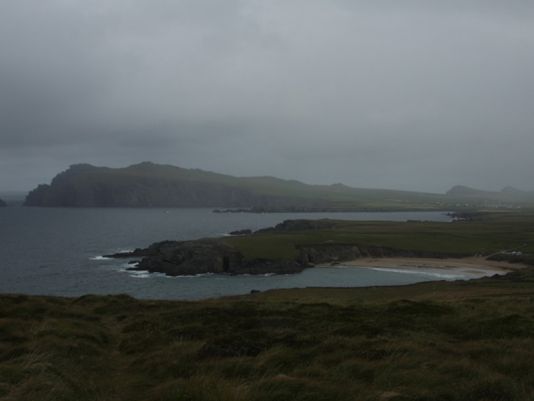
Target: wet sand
pixel 472 265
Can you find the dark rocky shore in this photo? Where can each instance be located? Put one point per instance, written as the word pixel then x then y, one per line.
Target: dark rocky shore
pixel 182 258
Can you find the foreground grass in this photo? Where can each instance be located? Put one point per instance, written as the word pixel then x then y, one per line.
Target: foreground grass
pixel 433 341
pixel 486 234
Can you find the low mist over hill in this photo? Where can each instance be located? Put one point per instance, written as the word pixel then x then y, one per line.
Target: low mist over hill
pixel 506 195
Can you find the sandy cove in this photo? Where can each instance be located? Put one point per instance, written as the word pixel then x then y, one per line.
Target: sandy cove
pixel 474 265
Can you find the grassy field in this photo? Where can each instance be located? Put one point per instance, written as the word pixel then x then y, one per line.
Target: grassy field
pixel 486 234
pixel 435 341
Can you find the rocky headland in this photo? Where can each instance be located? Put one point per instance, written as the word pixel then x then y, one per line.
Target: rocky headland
pixel 215 255
pixel 185 258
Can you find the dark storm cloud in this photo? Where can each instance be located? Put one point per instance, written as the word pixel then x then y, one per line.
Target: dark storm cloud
pixel 412 94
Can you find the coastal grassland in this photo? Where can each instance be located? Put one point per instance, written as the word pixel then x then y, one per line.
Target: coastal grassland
pixel 485 234
pixel 459 341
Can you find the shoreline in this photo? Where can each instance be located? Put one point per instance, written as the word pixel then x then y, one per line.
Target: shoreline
pixel 473 265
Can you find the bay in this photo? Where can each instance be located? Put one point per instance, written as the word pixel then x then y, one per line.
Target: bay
pixel 57 251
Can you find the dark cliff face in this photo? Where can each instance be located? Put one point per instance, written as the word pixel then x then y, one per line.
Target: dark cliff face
pixel 182 258
pixel 2 203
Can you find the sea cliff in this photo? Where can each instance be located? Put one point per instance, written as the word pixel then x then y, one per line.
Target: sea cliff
pixel 184 258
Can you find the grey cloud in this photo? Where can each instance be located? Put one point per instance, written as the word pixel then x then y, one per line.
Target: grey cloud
pixel 382 93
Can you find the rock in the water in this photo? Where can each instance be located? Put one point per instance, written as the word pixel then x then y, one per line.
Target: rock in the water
pixel 137 253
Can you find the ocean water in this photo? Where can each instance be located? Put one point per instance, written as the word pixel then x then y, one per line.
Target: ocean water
pixel 58 251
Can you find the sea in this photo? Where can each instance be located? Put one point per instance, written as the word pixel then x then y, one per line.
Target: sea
pixel 59 251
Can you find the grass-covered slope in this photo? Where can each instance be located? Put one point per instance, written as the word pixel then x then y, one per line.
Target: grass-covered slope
pixel 465 341
pixel 485 234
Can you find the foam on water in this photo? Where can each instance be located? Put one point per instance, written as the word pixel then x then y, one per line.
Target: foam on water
pixel 139 273
pixel 189 276
pixel 424 273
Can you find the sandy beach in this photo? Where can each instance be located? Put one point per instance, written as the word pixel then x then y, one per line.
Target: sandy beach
pixel 472 265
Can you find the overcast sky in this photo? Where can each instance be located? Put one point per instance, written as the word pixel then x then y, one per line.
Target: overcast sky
pixel 380 93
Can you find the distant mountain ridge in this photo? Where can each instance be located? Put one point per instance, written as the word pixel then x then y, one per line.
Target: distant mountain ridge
pixel 507 194
pixel 2 203
pixel 154 185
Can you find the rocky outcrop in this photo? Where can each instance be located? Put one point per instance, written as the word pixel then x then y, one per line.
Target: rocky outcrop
pixel 182 258
pixel 191 257
pixel 2 203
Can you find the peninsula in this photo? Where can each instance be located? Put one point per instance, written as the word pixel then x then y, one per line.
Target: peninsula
pixel 294 245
